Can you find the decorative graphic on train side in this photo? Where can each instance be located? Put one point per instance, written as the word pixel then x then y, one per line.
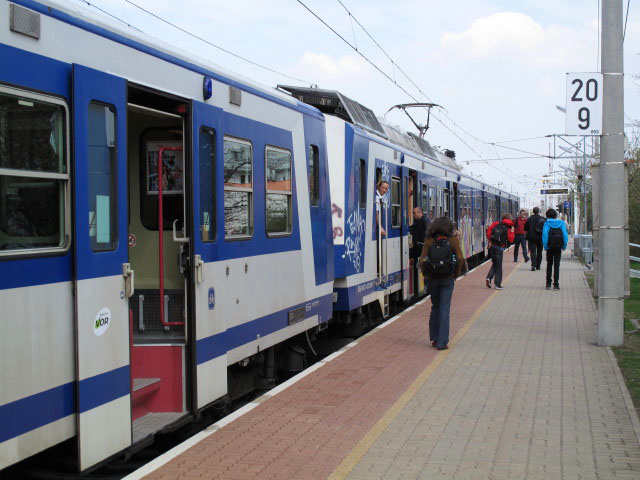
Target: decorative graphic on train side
pixel 336 212
pixel 466 227
pixel 354 240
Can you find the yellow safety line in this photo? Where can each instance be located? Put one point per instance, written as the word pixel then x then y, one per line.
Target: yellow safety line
pixel 355 456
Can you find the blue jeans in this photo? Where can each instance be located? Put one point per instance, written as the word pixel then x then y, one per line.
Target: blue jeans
pixel 520 240
pixel 441 291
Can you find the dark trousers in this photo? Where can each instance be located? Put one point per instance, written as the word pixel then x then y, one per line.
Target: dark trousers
pixel 535 247
pixel 553 261
pixel 441 291
pixel 520 240
pixel 496 264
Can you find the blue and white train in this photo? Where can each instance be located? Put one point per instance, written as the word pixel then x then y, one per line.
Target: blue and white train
pixel 167 226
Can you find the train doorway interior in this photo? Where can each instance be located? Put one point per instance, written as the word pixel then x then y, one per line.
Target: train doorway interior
pixel 158 254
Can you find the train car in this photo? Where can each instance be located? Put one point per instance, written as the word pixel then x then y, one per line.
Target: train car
pixel 372 270
pixel 164 225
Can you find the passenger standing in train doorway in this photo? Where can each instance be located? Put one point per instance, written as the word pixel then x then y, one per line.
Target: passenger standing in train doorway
pixel 500 235
pixel 533 226
pixel 554 241
pixel 518 229
pixel 381 190
pixel 418 230
pixel 442 261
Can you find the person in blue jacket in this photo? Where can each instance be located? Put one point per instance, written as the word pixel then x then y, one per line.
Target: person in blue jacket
pixel 554 241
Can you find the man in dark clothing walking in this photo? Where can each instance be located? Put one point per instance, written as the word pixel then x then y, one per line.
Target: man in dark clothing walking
pixel 518 229
pixel 418 230
pixel 533 226
pixel 500 235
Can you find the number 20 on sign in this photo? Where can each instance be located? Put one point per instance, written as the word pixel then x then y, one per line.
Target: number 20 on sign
pixel 584 104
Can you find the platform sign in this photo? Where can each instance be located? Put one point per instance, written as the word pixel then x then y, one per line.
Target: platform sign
pixel 554 191
pixel 584 104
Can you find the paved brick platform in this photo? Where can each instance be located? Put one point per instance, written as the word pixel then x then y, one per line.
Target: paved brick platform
pixel 507 400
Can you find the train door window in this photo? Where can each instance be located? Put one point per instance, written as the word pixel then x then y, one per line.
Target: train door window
pixel 446 202
pixel 378 175
pixel 314 177
pixel 207 157
pixel 101 181
pixel 424 198
pixel 34 178
pixel 278 197
pixel 440 202
pixel 395 202
pixel 238 188
pixel 363 184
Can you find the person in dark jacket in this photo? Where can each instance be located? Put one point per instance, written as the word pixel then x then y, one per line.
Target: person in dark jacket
pixel 554 252
pixel 518 230
pixel 441 289
pixel 533 226
pixel 496 249
pixel 418 230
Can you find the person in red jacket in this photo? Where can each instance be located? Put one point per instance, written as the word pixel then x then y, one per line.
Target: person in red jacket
pixel 500 235
pixel 518 225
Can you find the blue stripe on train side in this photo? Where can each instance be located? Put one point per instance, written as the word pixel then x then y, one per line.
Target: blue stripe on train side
pixel 40 409
pixel 26 414
pixel 350 298
pixel 220 343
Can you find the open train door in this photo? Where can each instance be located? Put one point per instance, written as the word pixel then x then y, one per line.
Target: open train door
pixel 103 281
pixel 206 235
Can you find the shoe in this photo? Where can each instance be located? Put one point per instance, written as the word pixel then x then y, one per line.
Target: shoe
pixel 515 260
pixel 556 287
pixel 433 344
pixel 533 269
pixel 499 287
pixel 488 282
pixel 537 268
pixel 526 260
pixel 446 347
pixel 548 287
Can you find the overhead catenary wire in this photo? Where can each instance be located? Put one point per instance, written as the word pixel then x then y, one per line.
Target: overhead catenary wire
pixel 229 52
pixel 109 14
pixel 395 65
pixel 626 17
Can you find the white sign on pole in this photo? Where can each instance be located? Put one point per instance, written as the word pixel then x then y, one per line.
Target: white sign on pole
pixel 584 104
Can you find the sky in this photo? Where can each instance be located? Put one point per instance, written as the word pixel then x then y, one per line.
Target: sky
pixel 498 68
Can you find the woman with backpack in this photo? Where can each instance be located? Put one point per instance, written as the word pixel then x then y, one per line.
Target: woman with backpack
pixel 554 241
pixel 442 262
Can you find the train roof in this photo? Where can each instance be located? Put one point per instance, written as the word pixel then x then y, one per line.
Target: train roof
pixel 335 103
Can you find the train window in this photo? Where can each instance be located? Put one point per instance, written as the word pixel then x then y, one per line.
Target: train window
pixel 278 198
pixel 363 183
pixel 395 202
pixel 446 202
pixel 238 188
pixel 34 179
pixel 440 201
pixel 207 158
pixel 101 181
pixel 424 198
pixel 432 201
pixel 314 177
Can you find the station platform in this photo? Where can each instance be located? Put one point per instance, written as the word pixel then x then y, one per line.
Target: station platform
pixel 522 392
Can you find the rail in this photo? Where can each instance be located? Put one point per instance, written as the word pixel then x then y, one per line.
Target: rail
pixel 634 273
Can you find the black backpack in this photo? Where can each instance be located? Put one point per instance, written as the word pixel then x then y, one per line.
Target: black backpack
pixel 537 228
pixel 556 238
pixel 441 260
pixel 499 234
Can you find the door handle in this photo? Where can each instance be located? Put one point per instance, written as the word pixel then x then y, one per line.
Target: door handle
pixel 129 279
pixel 175 236
pixel 199 269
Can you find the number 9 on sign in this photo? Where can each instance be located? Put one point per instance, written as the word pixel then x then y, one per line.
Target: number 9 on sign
pixel 584 104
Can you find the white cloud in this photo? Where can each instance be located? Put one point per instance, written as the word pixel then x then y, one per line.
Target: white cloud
pixel 324 67
pixel 515 36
